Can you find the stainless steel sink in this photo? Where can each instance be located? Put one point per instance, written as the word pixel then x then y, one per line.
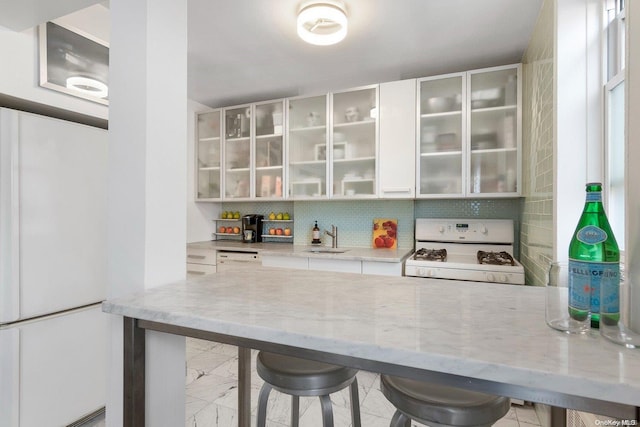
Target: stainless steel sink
pixel 326 250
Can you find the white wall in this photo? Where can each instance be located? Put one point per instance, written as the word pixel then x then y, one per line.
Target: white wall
pixel 199 215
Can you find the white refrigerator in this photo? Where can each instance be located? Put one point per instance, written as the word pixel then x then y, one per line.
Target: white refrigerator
pixel 53 335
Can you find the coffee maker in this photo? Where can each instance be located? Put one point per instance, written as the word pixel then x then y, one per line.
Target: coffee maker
pixel 252 228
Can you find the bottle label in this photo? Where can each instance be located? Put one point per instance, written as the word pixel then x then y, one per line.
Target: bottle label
pixel 594 196
pixel 585 282
pixel 591 235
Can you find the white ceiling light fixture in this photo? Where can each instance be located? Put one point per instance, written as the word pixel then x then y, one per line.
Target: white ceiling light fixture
pixel 322 23
pixel 88 86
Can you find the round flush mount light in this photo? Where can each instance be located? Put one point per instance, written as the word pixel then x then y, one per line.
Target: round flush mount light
pixel 88 86
pixel 322 23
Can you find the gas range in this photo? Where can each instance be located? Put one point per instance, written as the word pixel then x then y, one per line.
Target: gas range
pixel 465 249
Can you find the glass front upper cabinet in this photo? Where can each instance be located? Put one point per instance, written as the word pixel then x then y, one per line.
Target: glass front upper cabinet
pixel 237 152
pixel 354 142
pixel 494 132
pixel 208 152
pixel 308 162
pixel 269 150
pixel 441 136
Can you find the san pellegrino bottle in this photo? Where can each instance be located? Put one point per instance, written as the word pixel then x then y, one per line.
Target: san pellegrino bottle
pixel 594 262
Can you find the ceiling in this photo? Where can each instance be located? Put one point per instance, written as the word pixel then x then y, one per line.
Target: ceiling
pixel 248 50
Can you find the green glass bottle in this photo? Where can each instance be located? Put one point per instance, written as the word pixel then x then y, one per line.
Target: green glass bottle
pixel 594 262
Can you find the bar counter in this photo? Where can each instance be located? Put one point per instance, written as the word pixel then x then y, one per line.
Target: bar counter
pixel 480 336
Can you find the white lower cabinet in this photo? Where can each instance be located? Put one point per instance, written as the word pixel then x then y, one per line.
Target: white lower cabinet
pixel 337 265
pixel 382 268
pixel 332 264
pixel 200 262
pixel 283 261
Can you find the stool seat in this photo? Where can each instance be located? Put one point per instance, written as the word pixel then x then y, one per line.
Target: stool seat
pixel 439 405
pixel 301 377
pixel 306 377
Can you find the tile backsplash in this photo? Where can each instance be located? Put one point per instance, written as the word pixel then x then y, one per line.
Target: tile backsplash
pixel 354 218
pixel 538 114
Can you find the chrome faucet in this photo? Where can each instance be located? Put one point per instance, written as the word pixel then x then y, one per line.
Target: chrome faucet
pixel 334 235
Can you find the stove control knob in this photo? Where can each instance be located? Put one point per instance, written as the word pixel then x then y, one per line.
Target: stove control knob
pixel 441 229
pixel 420 271
pixel 491 277
pixel 483 229
pixel 504 278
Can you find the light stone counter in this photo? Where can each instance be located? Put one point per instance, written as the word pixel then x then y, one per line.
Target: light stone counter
pixel 285 249
pixel 482 336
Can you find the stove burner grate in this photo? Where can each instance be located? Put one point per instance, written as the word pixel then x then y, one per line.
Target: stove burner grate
pixel 495 258
pixel 424 254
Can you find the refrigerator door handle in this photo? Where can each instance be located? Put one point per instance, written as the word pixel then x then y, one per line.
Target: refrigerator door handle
pixel 9 217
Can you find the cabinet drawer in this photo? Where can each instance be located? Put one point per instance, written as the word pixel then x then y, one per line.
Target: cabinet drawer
pixel 196 270
pixel 201 256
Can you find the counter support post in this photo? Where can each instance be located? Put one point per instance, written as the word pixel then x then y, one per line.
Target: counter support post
pixel 244 387
pixel 134 374
pixel 558 417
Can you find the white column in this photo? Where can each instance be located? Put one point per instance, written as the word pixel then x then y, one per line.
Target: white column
pixel 147 185
pixel 632 169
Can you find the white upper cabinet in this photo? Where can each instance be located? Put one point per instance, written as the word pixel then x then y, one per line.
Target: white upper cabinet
pixel 238 132
pixel 441 143
pixel 449 136
pixel 333 145
pixel 469 134
pixel 307 147
pixel 354 142
pixel 254 151
pixel 208 155
pixel 494 132
pixel 269 150
pixel 396 159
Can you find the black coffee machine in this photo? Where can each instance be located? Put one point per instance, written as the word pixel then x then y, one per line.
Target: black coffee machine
pixel 252 228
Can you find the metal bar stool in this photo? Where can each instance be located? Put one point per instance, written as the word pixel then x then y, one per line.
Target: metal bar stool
pixel 301 377
pixel 440 406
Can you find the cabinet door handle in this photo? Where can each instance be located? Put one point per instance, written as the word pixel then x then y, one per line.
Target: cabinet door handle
pixel 196 256
pixel 201 273
pixel 397 190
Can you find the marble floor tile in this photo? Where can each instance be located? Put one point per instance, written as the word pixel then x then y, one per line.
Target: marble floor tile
pixel 526 416
pixel 212 396
pixel 208 361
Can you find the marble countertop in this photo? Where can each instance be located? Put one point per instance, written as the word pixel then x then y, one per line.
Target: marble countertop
pixel 476 330
pixel 285 249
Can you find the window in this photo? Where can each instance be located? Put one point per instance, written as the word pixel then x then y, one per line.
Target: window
pixel 614 152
